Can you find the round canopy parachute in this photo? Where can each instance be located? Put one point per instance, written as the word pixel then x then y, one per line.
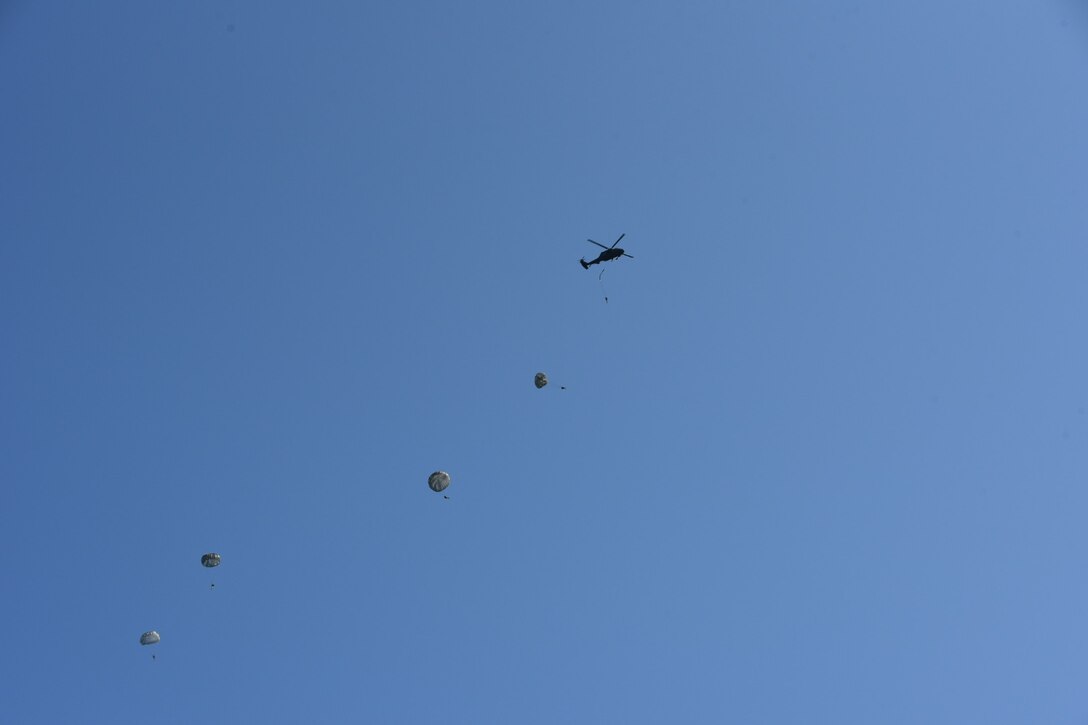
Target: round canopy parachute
pixel 151 637
pixel 438 481
pixel 540 380
pixel 210 560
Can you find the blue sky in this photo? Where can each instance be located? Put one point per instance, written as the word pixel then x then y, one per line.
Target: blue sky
pixel 821 459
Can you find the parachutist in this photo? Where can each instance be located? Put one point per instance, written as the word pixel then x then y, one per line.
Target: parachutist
pixel 446 497
pixel 210 561
pixel 601 280
pixel 540 380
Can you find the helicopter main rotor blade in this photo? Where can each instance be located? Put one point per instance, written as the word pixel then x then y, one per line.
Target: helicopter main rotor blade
pixel 628 255
pixel 597 243
pixel 618 240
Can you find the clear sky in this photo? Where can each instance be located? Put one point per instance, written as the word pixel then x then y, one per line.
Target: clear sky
pixel 822 455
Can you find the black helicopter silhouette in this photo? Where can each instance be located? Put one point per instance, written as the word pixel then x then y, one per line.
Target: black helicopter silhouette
pixel 609 253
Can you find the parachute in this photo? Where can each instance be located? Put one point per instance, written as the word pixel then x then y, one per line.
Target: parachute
pixel 210 560
pixel 540 380
pixel 151 637
pixel 438 481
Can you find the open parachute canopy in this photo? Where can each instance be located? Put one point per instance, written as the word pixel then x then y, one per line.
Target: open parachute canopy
pixel 438 481
pixel 540 380
pixel 210 559
pixel 151 637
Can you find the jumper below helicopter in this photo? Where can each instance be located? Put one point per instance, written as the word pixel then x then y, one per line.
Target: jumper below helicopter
pixel 608 254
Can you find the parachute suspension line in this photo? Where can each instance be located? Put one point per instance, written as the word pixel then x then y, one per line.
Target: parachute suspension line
pixel 602 285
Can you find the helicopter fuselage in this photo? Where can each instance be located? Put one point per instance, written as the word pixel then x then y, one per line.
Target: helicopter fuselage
pixel 605 256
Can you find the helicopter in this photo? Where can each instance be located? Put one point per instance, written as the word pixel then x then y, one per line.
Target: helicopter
pixel 608 254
